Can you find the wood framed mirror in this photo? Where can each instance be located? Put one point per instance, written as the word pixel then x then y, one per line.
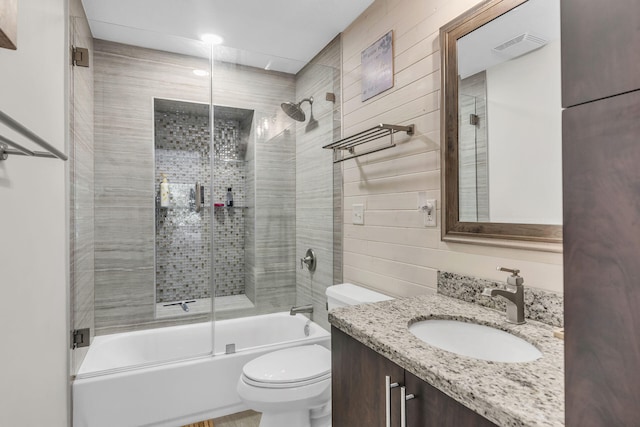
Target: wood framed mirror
pixel 501 124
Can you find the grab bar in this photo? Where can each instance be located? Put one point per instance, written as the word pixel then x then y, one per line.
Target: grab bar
pixel 18 149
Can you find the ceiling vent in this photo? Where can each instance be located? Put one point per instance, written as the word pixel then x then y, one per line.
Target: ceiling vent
pixel 519 45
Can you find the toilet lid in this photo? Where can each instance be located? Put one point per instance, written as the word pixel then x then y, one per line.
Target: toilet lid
pixel 290 365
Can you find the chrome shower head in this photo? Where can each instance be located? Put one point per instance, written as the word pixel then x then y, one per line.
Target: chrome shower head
pixel 294 111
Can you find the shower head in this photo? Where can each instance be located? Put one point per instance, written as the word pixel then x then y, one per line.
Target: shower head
pixel 294 111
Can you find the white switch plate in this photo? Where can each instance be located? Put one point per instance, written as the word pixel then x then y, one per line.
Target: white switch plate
pixel 430 216
pixel 357 214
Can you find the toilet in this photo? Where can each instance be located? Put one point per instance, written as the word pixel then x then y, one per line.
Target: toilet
pixel 292 386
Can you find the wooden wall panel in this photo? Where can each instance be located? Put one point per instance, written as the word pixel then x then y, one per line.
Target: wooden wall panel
pixel 601 155
pixel 600 54
pixel 388 182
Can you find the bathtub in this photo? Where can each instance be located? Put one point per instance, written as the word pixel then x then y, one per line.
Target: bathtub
pixel 180 381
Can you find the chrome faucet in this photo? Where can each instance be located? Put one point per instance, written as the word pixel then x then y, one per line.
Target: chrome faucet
pixel 514 294
pixel 184 305
pixel 301 309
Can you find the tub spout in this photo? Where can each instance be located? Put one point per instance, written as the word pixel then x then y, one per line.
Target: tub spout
pixel 301 309
pixel 184 306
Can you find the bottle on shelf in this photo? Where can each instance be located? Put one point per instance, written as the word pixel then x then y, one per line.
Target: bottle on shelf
pixel 229 197
pixel 164 192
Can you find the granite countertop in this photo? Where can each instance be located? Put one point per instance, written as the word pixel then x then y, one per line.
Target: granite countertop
pixel 509 394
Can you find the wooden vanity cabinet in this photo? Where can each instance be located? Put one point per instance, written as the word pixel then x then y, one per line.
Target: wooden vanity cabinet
pixel 358 392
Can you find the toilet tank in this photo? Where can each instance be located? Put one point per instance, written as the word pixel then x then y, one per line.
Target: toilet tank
pixel 349 294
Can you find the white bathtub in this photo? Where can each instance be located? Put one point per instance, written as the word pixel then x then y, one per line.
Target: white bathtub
pixel 193 386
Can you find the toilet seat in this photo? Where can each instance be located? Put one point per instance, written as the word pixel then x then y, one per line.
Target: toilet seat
pixel 290 367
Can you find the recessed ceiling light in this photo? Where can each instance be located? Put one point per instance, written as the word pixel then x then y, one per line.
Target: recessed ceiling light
pixel 201 73
pixel 212 39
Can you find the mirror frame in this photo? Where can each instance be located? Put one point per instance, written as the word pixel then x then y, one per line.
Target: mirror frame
pixel 453 229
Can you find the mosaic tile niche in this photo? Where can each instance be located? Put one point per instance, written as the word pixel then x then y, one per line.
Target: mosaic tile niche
pixel 229 229
pixel 183 236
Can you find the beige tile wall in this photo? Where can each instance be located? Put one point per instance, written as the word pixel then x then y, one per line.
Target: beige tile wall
pixel 392 251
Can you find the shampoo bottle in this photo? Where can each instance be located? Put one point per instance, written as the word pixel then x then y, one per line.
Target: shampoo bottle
pixel 164 192
pixel 229 197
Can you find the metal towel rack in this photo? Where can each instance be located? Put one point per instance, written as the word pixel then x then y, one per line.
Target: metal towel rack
pixel 18 149
pixel 364 137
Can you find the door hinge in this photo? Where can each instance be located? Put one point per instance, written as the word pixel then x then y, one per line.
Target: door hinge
pixel 474 119
pixel 80 56
pixel 80 338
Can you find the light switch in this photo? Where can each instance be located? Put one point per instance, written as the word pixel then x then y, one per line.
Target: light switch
pixel 357 214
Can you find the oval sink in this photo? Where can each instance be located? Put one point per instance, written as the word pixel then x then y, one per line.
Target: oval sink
pixel 473 340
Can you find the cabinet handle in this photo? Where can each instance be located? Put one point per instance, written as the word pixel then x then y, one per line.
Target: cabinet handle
pixel 387 388
pixel 403 405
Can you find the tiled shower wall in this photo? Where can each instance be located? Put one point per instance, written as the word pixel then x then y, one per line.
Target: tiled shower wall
pixel 183 236
pixel 229 230
pixel 314 179
pixel 126 79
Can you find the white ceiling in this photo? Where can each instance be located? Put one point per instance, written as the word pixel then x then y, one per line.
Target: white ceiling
pixel 537 17
pixel 281 35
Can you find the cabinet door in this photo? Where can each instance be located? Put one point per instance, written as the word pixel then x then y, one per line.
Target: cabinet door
pixel 433 408
pixel 601 192
pixel 358 384
pixel 600 53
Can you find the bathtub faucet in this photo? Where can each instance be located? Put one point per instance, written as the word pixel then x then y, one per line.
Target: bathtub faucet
pixel 184 306
pixel 301 309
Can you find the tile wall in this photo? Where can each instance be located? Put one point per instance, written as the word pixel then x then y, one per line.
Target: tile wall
pixel 314 177
pixel 127 79
pixel 183 236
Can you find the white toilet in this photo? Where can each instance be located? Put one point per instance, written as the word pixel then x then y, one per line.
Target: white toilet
pixel 292 387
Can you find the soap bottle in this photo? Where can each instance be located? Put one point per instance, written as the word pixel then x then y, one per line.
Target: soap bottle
pixel 164 192
pixel 229 197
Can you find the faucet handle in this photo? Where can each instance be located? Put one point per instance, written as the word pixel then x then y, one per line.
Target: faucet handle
pixel 513 271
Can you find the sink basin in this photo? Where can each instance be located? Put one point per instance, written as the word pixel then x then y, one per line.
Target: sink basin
pixel 473 340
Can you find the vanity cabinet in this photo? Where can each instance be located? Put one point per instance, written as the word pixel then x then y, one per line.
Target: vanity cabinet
pixel 601 203
pixel 600 54
pixel 359 392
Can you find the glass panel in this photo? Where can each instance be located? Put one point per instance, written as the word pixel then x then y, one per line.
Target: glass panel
pixel 281 181
pixel 152 116
pixel 82 247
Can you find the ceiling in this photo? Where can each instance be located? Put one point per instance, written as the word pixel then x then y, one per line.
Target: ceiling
pixel 540 18
pixel 281 35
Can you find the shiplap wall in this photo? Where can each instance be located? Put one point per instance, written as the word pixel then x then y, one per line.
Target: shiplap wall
pixel 393 252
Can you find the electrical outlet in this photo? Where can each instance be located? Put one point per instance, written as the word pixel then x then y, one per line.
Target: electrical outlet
pixel 357 214
pixel 430 213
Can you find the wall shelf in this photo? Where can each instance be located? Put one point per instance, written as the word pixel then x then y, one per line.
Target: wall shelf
pixel 350 143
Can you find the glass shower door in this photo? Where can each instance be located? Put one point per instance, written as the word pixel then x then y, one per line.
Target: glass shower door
pixel 152 268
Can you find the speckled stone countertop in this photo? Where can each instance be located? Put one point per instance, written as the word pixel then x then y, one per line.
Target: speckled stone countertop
pixel 509 394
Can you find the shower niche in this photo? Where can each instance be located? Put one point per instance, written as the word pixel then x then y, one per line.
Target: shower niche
pixel 201 238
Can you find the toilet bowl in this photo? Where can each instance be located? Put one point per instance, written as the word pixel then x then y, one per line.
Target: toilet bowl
pixel 292 387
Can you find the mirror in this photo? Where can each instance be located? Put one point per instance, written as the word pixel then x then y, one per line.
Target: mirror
pixel 501 121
